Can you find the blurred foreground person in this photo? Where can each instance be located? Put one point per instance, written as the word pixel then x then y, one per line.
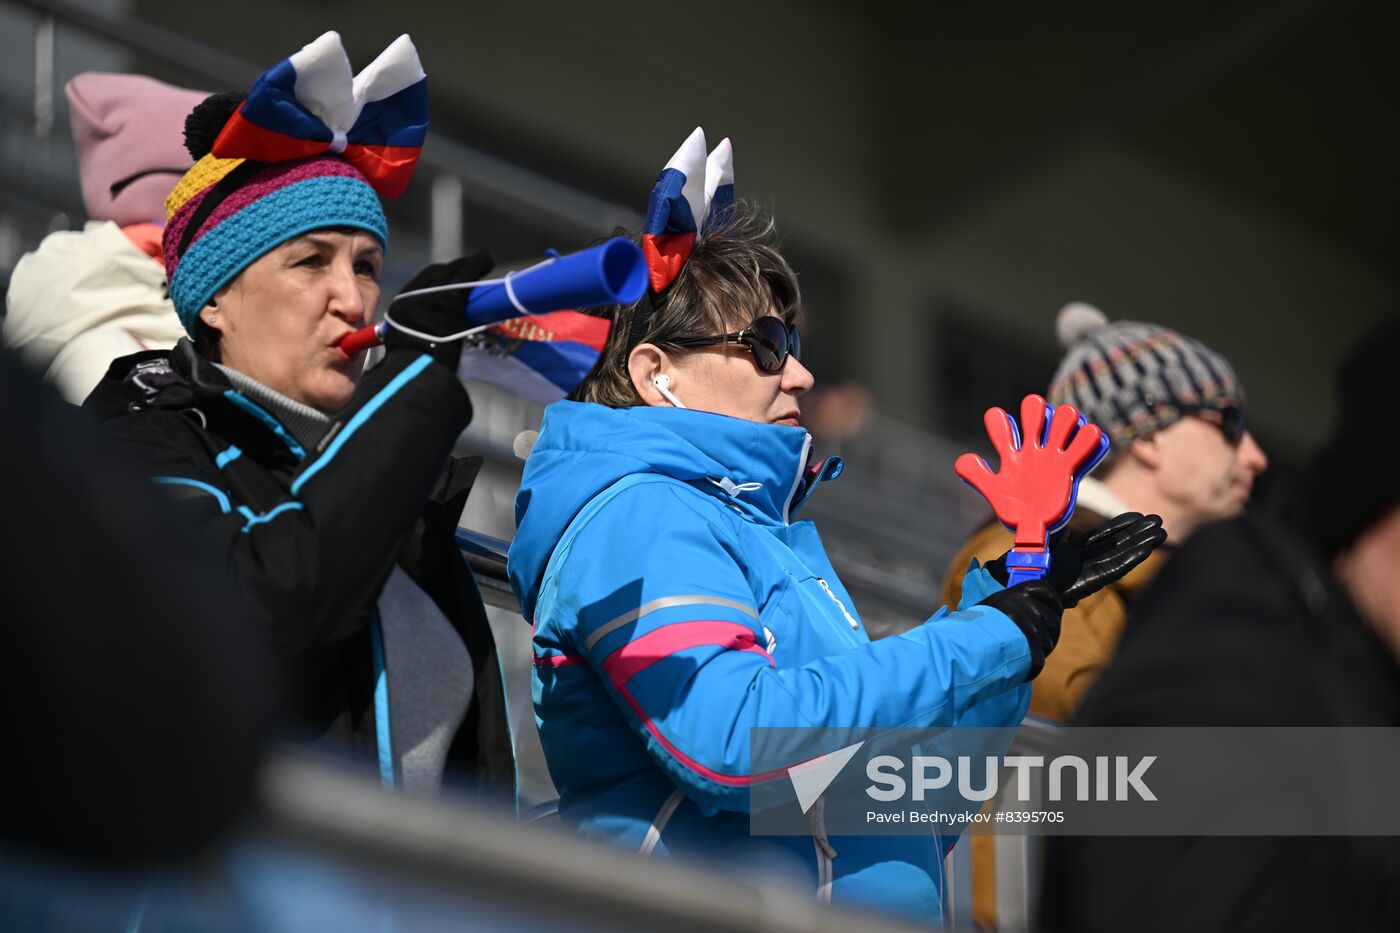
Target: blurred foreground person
pixel 331 497
pixel 1175 413
pixel 137 721
pixel 1255 624
pixel 86 297
pixel 136 727
pixel 677 602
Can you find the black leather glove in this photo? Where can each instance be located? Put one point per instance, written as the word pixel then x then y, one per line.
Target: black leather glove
pixel 1083 565
pixel 1035 608
pixel 438 312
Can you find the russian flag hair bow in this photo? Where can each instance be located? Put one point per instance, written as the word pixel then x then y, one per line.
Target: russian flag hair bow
pixel 309 104
pixel 691 193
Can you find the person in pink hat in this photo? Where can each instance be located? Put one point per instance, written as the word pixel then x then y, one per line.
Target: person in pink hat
pixel 86 297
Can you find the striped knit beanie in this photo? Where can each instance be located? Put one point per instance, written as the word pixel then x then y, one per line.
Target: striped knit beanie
pixel 1133 379
pixel 226 213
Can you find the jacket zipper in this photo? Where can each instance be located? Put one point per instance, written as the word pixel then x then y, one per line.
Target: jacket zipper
pixel 825 853
pixel 796 480
pixel 855 626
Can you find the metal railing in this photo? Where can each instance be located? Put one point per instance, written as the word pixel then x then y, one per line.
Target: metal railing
pixel 541 874
pixel 487 558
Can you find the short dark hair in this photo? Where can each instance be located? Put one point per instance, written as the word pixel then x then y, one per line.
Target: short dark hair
pixel 732 276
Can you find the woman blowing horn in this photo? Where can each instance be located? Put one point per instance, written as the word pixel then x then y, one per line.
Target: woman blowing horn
pixel 328 495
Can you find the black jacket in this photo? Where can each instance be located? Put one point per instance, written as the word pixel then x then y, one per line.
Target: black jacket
pixel 309 537
pixel 1243 627
pixel 140 734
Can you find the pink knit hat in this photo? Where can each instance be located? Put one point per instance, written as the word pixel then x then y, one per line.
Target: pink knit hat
pixel 129 133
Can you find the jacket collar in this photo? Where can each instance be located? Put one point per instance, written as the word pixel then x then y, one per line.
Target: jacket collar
pixel 1095 496
pixel 583 448
pixel 239 416
pixel 765 470
pixel 182 381
pixel 305 423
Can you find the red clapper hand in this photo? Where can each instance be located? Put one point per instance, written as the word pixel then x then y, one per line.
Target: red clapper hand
pixel 1034 489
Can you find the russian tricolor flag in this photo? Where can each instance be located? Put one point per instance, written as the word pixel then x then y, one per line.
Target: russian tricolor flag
pixel 690 193
pixel 310 103
pixel 542 357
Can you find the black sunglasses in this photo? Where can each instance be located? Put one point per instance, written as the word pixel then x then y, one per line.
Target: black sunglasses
pixel 769 340
pixel 1231 422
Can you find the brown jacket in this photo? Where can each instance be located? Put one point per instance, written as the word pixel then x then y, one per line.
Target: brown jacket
pixel 1089 634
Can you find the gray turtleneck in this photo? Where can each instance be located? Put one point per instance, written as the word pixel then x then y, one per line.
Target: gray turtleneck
pixel 429 670
pixel 306 424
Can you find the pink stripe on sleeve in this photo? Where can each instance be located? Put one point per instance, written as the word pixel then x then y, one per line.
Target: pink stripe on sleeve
pixel 556 660
pixel 641 653
pixel 636 656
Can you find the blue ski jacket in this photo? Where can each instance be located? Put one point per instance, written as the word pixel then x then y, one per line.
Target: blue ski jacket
pixel 677 604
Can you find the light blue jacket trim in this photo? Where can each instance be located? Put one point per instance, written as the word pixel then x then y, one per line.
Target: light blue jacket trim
pixel 227 457
pixel 218 494
pixel 361 416
pixel 255 519
pixel 257 411
pixel 383 737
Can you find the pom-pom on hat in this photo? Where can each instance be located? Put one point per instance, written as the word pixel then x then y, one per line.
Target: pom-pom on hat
pixel 310 147
pixel 126 130
pixel 1132 379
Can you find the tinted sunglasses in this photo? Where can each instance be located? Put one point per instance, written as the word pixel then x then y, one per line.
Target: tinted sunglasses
pixel 769 340
pixel 1231 422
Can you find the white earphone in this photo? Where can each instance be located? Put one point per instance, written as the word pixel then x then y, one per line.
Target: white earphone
pixel 663 385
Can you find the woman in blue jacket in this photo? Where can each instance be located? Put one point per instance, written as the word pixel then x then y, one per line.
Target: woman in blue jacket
pixel 677 603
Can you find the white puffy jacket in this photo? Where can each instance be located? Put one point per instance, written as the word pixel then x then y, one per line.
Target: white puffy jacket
pixel 83 299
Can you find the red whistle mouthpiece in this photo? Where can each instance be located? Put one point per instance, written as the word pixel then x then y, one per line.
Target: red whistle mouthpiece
pixel 363 339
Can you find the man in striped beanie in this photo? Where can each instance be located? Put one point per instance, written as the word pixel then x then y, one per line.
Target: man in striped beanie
pixel 1175 413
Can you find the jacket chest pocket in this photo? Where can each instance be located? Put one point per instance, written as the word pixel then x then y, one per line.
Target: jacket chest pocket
pixel 817 616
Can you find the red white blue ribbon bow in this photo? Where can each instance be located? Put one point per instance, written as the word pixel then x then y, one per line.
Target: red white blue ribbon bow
pixel 309 104
pixel 691 192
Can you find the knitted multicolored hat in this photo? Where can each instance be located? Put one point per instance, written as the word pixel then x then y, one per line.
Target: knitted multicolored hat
pixel 1133 379
pixel 311 147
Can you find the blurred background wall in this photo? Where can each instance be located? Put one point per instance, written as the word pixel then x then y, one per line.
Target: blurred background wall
pixel 947 175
